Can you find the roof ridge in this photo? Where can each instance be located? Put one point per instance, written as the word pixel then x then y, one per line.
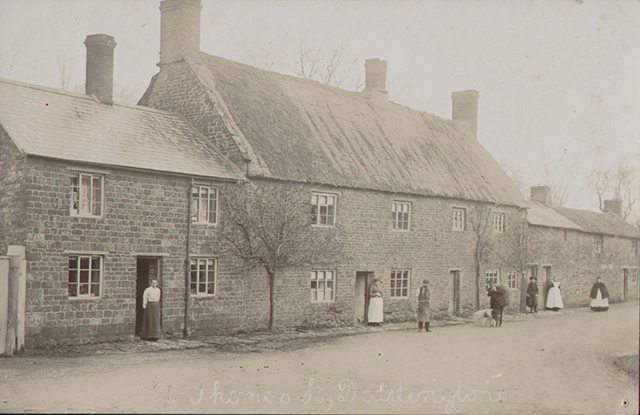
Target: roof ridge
pixel 81 96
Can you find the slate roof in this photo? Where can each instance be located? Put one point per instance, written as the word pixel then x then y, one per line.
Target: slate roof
pixel 75 127
pixel 540 215
pixel 596 222
pixel 301 130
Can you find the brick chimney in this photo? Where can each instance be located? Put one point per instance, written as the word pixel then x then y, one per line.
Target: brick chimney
pixel 179 31
pixel 99 74
pixel 465 108
pixel 541 194
pixel 614 205
pixel 375 82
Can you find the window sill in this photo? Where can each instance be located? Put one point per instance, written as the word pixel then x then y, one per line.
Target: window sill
pixel 202 295
pixel 84 298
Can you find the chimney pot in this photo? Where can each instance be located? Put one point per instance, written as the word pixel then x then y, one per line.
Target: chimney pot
pixel 541 194
pixel 375 77
pixel 99 72
pixel 179 30
pixel 465 108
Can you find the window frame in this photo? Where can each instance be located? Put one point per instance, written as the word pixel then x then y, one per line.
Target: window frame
pixel 498 225
pixel 513 274
pixel 395 216
pixel 315 290
pixel 207 271
pixel 90 277
pixel 462 221
pixel 196 204
pixel 493 271
pixel 316 209
pixel 405 276
pixel 598 244
pixel 76 192
pixel 634 276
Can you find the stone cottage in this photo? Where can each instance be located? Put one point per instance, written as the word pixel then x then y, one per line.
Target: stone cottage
pixel 98 193
pixel 408 189
pixel 575 247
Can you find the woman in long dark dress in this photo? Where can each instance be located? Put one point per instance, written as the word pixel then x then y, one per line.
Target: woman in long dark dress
pixel 151 320
pixel 599 296
pixel 424 306
pixel 532 295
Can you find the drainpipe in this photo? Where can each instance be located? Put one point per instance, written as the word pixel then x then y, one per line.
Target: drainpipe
pixel 187 279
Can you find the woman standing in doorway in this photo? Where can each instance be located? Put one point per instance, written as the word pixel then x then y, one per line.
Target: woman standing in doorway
pixel 554 297
pixel 424 306
pixel 599 296
pixel 151 320
pixel 375 315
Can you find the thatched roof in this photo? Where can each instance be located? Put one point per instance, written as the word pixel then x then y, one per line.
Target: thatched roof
pixel 75 127
pixel 601 223
pixel 301 130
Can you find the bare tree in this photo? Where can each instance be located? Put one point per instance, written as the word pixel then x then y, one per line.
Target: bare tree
pixel 480 218
pixel 326 65
pixel 269 226
pixel 517 176
pixel 560 184
pixel 623 180
pixel 520 248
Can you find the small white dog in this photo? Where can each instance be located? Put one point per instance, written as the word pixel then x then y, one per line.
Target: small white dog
pixel 487 315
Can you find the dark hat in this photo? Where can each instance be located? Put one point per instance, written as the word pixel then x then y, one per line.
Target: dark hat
pixel 534 278
pixel 425 281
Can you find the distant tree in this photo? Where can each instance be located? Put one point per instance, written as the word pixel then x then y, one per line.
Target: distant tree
pixel 517 176
pixel 269 226
pixel 480 219
pixel 559 183
pixel 622 179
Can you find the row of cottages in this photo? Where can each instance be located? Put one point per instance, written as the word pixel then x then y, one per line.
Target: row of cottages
pixel 574 247
pixel 404 187
pixel 105 197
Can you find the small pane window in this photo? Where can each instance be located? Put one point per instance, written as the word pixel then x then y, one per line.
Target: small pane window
pixel 598 244
pixel 493 277
pixel 399 283
pixel 323 209
pixel 204 205
pixel 458 219
pixel 400 215
pixel 512 280
pixel 203 276
pixel 86 194
pixel 322 286
pixel 85 276
pixel 498 222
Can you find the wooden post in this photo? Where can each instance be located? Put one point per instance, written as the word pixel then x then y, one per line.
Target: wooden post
pixel 5 266
pixel 19 261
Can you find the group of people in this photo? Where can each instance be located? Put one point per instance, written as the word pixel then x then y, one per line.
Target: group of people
pixel 498 300
pixel 599 296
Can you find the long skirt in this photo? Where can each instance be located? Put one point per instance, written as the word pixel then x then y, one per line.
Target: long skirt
pixel 375 310
pixel 554 299
pixel 532 300
pixel 424 311
pixel 599 303
pixel 151 322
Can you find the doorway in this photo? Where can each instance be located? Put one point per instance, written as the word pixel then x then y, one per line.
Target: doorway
pixel 625 283
pixel 546 284
pixel 363 282
pixel 147 269
pixel 455 304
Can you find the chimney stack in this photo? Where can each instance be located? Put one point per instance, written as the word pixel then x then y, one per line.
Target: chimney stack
pixel 99 74
pixel 614 205
pixel 541 194
pixel 376 77
pixel 465 108
pixel 179 31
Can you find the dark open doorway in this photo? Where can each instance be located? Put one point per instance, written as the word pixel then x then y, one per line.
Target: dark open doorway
pixel 455 303
pixel 147 269
pixel 363 282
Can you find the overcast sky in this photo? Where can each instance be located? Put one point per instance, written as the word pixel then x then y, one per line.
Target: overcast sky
pixel 559 80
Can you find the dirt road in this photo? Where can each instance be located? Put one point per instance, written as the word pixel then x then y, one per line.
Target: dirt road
pixel 556 364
